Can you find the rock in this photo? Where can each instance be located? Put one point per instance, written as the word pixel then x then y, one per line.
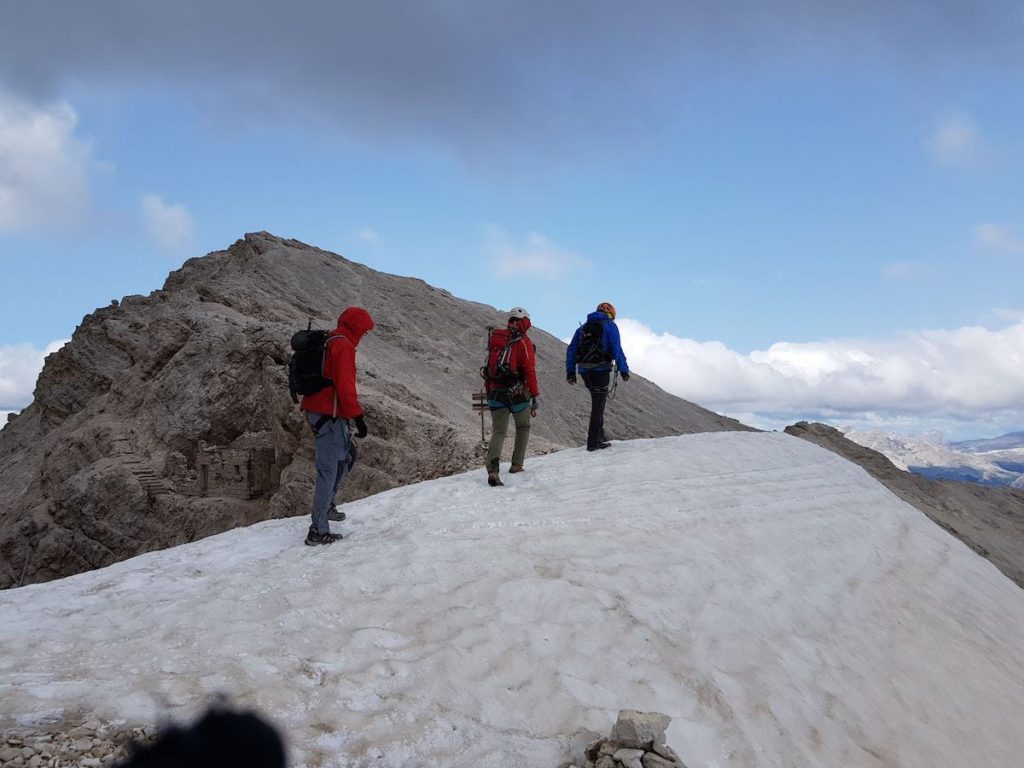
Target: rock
pixel 580 743
pixel 121 452
pixel 630 758
pixel 81 745
pixel 636 729
pixel 8 754
pixel 654 760
pixel 665 751
pixel 605 761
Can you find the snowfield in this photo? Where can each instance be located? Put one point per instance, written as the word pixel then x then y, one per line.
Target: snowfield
pixel 780 605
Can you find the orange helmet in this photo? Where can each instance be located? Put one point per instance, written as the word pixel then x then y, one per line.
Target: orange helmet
pixel 607 308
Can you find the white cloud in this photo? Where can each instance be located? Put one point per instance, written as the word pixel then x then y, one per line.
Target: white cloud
pixel 368 235
pixel 170 226
pixel 1010 315
pixel 956 143
pixel 20 365
pixel 903 270
pixel 535 256
pixel 43 166
pixel 994 237
pixel 964 374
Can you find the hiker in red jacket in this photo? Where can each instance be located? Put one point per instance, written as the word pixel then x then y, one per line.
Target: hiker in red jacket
pixel 511 383
pixel 327 413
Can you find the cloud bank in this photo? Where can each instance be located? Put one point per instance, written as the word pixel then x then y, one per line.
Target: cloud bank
pixel 483 77
pixel 20 365
pixel 43 166
pixel 967 375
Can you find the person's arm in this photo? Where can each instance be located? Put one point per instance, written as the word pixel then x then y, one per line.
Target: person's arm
pixel 616 346
pixel 570 355
pixel 343 374
pixel 530 367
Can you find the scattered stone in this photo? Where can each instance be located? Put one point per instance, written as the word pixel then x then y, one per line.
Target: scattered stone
pixel 7 754
pixel 637 741
pixel 88 744
pixel 653 760
pixel 638 728
pixel 665 751
pixel 630 758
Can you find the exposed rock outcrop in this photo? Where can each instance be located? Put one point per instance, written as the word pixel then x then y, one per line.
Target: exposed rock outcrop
pixel 167 417
pixel 989 520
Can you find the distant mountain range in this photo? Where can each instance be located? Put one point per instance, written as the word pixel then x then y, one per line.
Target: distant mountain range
pixel 997 461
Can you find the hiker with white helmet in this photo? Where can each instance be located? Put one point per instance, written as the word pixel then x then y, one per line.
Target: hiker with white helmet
pixel 510 378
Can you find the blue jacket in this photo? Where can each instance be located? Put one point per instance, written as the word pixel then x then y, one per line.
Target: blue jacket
pixel 609 340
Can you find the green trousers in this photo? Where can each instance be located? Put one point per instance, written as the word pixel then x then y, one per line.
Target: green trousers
pixel 499 428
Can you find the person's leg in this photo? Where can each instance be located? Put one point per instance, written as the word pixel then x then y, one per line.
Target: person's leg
pixel 522 420
pixel 499 428
pixel 597 383
pixel 331 447
pixel 348 461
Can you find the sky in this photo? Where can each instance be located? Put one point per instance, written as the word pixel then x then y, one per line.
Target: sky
pixel 780 605
pixel 814 210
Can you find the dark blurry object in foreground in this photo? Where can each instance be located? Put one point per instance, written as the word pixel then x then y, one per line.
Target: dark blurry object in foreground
pixel 219 739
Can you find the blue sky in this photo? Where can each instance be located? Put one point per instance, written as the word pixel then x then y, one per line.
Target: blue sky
pixel 812 212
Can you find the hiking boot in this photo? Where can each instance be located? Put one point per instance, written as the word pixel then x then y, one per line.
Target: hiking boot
pixel 334 515
pixel 598 447
pixel 313 538
pixel 493 480
pixel 516 468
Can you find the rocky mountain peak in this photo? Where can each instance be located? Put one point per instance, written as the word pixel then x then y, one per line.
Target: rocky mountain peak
pixel 167 417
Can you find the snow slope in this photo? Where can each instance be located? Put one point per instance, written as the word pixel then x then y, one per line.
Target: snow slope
pixel 784 608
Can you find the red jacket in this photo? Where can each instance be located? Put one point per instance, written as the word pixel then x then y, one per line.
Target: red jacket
pixel 522 358
pixel 341 399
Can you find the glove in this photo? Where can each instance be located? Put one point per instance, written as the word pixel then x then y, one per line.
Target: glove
pixel 360 426
pixel 571 378
pixel 625 377
pixel 534 402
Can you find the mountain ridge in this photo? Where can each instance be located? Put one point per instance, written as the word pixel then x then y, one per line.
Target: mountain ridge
pixel 157 396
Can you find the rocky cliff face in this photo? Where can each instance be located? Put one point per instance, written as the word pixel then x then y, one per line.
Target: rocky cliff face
pixel 167 417
pixel 989 520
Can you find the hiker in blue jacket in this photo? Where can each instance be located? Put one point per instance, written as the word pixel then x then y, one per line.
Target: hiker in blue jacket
pixel 596 351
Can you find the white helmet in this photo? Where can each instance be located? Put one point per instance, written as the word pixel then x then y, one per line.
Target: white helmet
pixel 518 313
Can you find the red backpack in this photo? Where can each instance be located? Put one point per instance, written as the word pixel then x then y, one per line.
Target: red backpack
pixel 499 370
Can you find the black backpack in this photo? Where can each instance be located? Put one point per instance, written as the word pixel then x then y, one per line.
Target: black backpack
pixel 306 367
pixel 590 349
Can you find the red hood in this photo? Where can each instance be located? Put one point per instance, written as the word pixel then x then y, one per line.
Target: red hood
pixel 354 322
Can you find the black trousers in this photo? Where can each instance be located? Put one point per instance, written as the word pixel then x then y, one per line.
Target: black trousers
pixel 597 382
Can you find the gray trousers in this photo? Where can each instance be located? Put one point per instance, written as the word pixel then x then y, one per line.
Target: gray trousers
pixel 499 428
pixel 335 455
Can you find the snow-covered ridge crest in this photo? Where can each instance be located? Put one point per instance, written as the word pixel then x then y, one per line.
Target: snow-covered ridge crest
pixel 779 604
